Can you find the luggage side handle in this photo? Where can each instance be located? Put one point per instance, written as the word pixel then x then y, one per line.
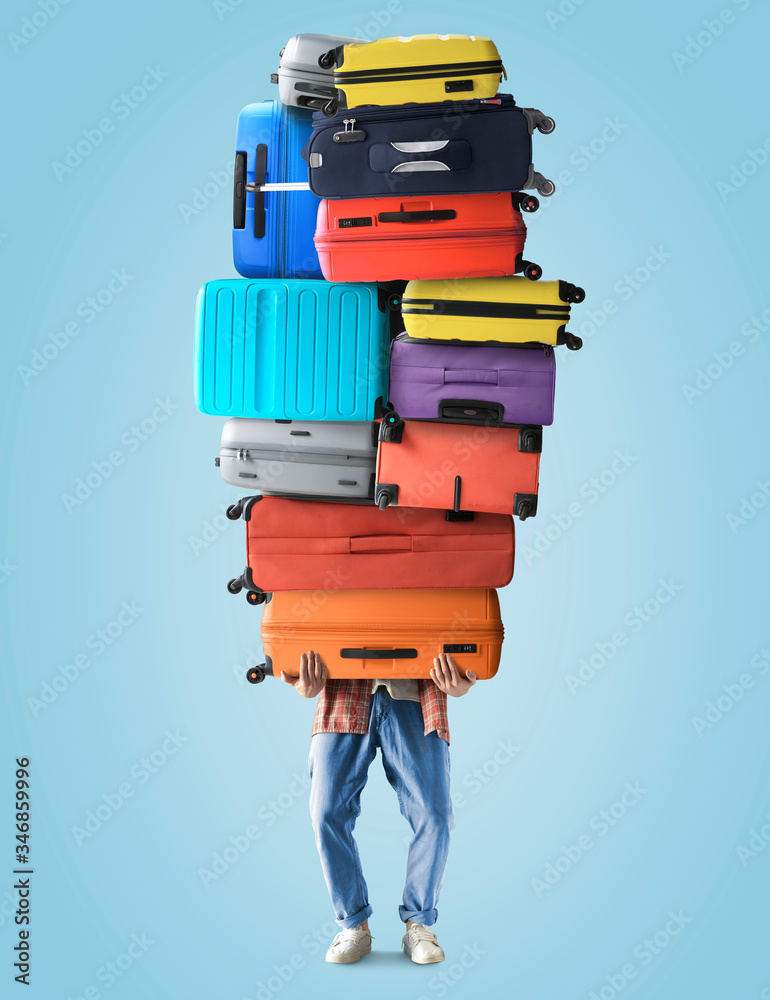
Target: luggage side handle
pixel 378 654
pixel 422 216
pixel 258 190
pixel 381 543
pixel 239 192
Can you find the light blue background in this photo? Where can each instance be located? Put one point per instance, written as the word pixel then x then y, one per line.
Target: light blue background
pixel 179 665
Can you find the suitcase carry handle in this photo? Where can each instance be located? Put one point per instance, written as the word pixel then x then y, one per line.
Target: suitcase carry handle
pixel 471 411
pixel 418 216
pixel 257 189
pixel 381 543
pixel 378 654
pixel 239 192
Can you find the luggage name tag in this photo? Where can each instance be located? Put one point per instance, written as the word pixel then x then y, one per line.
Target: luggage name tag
pixel 350 132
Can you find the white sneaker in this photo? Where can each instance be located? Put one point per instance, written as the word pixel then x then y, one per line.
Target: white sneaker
pixel 349 945
pixel 421 945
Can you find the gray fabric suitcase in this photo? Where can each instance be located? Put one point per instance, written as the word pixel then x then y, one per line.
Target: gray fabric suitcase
pixel 301 81
pixel 306 459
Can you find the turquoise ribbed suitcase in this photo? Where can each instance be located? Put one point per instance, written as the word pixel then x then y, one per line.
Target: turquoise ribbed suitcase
pixel 291 349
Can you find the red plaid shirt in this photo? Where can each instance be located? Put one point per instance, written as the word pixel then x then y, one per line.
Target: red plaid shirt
pixel 343 707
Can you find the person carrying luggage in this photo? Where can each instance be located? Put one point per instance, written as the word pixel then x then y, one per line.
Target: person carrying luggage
pixel 407 720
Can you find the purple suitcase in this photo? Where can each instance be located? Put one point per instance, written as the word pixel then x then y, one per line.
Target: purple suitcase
pixel 471 383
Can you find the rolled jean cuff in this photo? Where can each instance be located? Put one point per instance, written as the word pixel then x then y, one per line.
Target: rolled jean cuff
pixel 356 918
pixel 427 917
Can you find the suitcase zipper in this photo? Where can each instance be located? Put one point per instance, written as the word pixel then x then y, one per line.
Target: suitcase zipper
pixel 400 74
pixel 485 310
pixel 441 237
pixel 250 454
pixel 479 628
pixel 408 112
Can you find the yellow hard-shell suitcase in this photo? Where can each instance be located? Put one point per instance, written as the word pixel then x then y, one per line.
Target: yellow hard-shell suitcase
pixel 508 310
pixel 419 69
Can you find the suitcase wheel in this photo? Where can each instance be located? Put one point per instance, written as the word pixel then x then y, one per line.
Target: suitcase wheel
pixel 529 203
pixel 533 271
pixel 525 509
pixel 384 500
pixel 578 294
pixel 328 59
pixel 235 585
pixel 255 675
pixel 255 598
pixel 546 125
pixel 234 511
pixel 546 187
pixel 329 109
pixel 573 343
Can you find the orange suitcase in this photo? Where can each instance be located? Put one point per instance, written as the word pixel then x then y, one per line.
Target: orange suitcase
pixel 309 545
pixel 381 633
pixel 457 467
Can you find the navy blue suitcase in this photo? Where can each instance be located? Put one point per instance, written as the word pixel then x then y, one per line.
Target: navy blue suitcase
pixel 453 147
pixel 273 230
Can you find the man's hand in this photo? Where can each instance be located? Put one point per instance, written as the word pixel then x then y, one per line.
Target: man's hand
pixel 312 675
pixel 447 677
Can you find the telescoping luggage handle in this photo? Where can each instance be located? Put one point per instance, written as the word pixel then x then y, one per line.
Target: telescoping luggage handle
pixel 240 188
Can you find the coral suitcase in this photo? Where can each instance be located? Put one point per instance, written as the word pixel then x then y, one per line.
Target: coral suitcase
pixel 303 458
pixel 471 383
pixel 458 469
pixel 444 236
pixel 505 310
pixel 273 230
pixel 302 545
pixel 467 147
pixel 421 68
pixel 382 633
pixel 301 80
pixel 291 350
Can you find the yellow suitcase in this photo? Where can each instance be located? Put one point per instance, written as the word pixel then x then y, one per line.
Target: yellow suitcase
pixel 509 310
pixel 420 69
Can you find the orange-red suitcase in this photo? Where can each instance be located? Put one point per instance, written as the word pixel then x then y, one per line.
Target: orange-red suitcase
pixel 381 633
pixel 423 237
pixel 307 545
pixel 458 468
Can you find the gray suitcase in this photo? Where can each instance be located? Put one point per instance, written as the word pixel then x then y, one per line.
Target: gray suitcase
pixel 306 459
pixel 301 81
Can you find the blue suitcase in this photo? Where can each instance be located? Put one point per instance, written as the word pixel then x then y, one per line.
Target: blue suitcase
pixel 453 147
pixel 273 230
pixel 291 350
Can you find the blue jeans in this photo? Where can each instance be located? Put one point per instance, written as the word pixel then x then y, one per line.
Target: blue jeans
pixel 417 766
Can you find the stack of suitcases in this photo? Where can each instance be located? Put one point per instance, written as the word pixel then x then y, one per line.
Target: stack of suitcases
pixel 386 362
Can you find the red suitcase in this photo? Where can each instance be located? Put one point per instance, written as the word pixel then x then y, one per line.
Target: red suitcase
pixel 440 236
pixel 458 468
pixel 311 545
